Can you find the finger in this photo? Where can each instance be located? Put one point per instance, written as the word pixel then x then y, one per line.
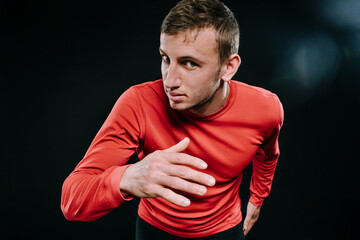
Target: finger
pixel 246 225
pixel 184 172
pixel 246 232
pixel 184 186
pixel 179 147
pixel 188 160
pixel 248 228
pixel 173 197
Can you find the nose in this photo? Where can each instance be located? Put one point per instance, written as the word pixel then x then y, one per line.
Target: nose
pixel 171 77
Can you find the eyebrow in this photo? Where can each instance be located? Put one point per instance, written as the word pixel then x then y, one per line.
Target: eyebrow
pixel 162 51
pixel 184 57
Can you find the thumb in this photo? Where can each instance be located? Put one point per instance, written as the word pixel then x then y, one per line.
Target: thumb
pixel 179 147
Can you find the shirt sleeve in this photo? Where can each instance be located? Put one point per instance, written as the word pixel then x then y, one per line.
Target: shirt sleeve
pixel 93 188
pixel 264 162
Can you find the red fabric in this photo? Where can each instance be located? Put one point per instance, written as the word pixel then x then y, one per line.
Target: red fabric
pixel 245 130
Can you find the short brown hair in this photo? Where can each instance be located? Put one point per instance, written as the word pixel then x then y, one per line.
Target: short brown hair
pixel 199 14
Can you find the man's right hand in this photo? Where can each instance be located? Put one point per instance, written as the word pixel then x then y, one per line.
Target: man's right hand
pixel 162 171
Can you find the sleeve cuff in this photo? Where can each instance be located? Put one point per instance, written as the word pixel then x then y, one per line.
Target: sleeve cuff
pixel 115 177
pixel 256 201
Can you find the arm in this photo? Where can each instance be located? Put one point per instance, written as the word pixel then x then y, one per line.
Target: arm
pixel 264 164
pixel 92 189
pixel 102 181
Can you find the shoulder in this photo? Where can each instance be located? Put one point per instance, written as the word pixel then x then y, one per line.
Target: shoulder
pixel 141 97
pixel 142 92
pixel 253 91
pixel 148 87
pixel 263 103
pixel 133 103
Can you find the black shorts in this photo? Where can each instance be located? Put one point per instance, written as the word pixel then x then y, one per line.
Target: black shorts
pixel 145 231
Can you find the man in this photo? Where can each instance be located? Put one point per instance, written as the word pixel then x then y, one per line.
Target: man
pixel 194 131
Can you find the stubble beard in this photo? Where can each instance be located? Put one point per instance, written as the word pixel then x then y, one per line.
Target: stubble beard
pixel 206 96
pixel 200 104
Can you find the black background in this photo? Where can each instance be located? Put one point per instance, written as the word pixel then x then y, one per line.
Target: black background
pixel 65 63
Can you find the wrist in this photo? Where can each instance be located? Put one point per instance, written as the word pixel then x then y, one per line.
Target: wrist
pixel 125 194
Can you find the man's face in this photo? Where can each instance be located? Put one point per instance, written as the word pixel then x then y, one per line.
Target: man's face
pixel 190 69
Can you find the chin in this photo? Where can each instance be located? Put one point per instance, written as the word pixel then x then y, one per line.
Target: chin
pixel 179 106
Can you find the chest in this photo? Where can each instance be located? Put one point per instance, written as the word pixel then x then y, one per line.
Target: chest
pixel 227 146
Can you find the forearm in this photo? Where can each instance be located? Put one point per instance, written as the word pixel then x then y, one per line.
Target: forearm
pixel 93 188
pixel 87 195
pixel 265 161
pixel 262 178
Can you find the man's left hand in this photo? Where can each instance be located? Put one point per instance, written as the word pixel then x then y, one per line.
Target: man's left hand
pixel 252 215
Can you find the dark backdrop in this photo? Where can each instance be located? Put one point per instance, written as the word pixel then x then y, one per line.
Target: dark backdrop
pixel 65 63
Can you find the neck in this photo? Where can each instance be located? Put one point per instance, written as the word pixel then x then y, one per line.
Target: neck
pixel 217 101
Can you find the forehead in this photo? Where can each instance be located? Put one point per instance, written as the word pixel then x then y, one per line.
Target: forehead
pixel 200 42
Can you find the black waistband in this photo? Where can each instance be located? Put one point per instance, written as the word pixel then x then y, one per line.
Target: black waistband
pixel 145 231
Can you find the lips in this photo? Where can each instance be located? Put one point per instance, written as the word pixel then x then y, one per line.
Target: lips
pixel 176 96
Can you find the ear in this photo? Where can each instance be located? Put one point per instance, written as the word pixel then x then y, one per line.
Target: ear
pixel 230 67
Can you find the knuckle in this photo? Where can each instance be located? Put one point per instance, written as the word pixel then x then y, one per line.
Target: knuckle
pixel 155 155
pixel 158 157
pixel 180 157
pixel 174 182
pixel 182 171
pixel 150 176
pixel 191 188
pixel 148 189
pixel 153 166
pixel 199 177
pixel 184 158
pixel 183 185
pixel 166 193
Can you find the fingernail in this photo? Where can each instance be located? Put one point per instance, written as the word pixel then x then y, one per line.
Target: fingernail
pixel 186 202
pixel 202 190
pixel 211 181
pixel 204 165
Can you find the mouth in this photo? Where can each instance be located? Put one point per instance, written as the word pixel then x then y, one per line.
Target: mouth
pixel 176 96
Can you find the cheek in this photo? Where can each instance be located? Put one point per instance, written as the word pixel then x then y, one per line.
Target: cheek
pixel 163 69
pixel 200 81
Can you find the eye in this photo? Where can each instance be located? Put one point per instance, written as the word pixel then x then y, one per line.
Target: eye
pixel 190 64
pixel 165 58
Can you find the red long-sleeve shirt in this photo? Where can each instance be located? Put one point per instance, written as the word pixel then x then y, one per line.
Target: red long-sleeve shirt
pixel 245 130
